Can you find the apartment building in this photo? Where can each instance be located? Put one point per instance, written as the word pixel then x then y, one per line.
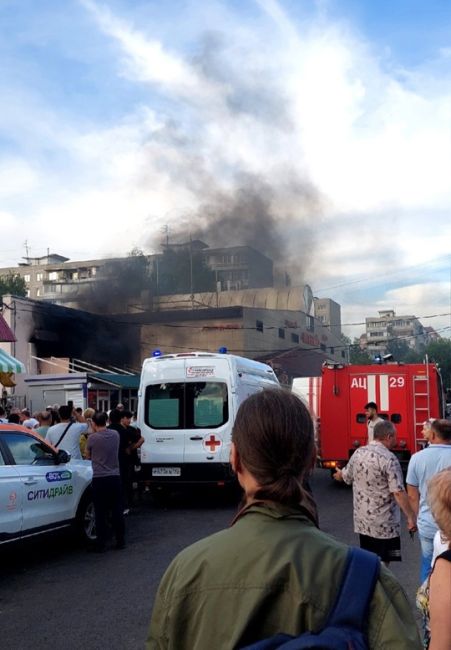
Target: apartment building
pixel 55 278
pixel 387 326
pixel 239 267
pixel 328 312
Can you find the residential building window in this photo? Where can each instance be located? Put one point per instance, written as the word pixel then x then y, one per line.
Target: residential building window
pixel 38 292
pixel 343 354
pixel 27 293
pixel 53 275
pixel 39 277
pixel 27 277
pixel 259 325
pixel 294 337
pixel 281 333
pixel 310 323
pixel 332 350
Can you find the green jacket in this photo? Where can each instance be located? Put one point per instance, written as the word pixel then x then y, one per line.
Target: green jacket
pixel 272 571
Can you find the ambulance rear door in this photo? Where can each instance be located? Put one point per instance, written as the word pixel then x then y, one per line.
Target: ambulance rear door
pixel 162 412
pixel 208 410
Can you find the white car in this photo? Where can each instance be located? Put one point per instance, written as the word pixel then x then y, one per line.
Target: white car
pixel 40 490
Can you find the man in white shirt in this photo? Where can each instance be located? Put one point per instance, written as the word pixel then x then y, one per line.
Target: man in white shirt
pixel 373 418
pixel 66 434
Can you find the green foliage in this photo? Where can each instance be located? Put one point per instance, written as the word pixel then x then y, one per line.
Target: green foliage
pixel 127 277
pixel 414 357
pixel 13 283
pixel 398 347
pixel 182 271
pixel 357 356
pixel 440 352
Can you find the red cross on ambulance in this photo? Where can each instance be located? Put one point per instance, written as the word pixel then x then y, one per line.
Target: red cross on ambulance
pixel 212 443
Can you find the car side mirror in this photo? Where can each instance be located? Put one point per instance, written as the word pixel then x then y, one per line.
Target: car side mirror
pixel 62 457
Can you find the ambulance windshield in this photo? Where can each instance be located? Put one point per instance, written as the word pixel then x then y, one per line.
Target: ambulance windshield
pixel 190 405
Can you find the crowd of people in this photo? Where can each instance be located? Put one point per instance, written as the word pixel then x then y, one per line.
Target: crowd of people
pixel 273 571
pixel 110 440
pixel 379 494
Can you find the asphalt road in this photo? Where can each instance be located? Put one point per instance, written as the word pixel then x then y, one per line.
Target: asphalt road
pixel 55 594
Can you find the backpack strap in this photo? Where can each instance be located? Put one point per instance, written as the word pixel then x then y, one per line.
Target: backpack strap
pixel 353 601
pixel 63 434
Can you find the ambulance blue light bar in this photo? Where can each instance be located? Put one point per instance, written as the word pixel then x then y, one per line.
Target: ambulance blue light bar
pixel 223 350
pixel 156 353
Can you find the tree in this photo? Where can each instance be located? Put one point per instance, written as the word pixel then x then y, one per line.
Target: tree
pixel 184 271
pixel 414 357
pixel 358 356
pixel 13 283
pixel 397 347
pixel 440 352
pixel 118 283
pixel 402 351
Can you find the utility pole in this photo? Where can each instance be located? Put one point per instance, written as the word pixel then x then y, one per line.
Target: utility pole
pixel 191 269
pixel 165 230
pixel 27 248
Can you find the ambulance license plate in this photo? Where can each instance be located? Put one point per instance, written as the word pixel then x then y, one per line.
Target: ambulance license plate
pixel 166 471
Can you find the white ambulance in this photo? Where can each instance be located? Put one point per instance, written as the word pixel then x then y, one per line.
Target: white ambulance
pixel 187 405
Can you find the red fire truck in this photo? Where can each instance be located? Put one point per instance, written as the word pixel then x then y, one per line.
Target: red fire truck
pixel 406 394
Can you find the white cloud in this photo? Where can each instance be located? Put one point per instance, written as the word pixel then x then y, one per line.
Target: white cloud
pixel 17 177
pixel 147 61
pixel 270 99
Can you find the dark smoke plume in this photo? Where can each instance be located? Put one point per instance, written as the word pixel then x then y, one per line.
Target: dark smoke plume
pixel 277 218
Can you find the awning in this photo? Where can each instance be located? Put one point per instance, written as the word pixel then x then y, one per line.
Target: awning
pixel 10 364
pixel 6 334
pixel 116 380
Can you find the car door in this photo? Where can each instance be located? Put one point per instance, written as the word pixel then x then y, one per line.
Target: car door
pixel 47 488
pixel 11 495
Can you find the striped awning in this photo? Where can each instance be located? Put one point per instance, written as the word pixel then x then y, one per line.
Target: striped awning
pixel 9 363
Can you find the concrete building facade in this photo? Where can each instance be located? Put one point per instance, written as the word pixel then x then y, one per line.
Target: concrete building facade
pixel 53 339
pixel 328 312
pixel 380 330
pixel 57 279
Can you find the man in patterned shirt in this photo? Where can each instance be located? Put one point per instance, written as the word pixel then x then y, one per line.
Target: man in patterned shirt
pixel 378 493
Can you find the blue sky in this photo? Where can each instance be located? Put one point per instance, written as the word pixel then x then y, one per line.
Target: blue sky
pixel 118 117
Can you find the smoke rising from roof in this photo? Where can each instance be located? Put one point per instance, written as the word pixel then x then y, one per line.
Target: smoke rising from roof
pixel 275 217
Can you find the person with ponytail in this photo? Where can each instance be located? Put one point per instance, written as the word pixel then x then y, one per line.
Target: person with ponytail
pixel 272 571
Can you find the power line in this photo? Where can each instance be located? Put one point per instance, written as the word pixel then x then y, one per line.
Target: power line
pixel 125 321
pixel 382 275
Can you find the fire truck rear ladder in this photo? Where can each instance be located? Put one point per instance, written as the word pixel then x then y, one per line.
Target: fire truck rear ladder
pixel 421 406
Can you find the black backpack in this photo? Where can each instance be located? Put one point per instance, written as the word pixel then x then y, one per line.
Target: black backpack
pixel 346 623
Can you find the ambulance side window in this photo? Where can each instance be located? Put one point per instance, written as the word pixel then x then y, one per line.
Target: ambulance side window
pixel 164 406
pixel 207 404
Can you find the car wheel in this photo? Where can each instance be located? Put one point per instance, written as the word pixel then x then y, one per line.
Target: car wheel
pixel 86 523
